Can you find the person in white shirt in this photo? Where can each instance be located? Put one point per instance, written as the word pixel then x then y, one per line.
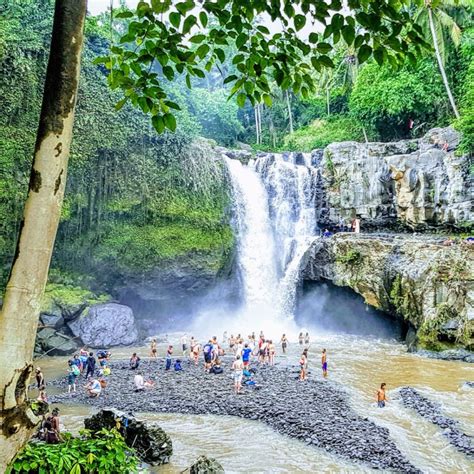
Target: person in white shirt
pixel 94 388
pixel 139 382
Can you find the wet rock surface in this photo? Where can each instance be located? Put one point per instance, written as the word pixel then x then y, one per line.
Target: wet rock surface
pixel 205 465
pixel 315 412
pixel 151 443
pixel 431 411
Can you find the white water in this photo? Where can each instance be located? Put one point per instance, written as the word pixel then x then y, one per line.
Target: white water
pixel 274 209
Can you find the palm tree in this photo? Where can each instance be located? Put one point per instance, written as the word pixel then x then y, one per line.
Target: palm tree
pixel 433 16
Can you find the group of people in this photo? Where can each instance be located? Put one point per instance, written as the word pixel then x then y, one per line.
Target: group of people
pixel 94 370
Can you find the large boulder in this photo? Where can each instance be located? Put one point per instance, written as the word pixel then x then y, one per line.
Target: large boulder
pixel 205 465
pixel 151 443
pixel 54 343
pixel 105 325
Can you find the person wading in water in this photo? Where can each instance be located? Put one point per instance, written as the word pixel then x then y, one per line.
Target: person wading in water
pixel 284 343
pixel 324 363
pixel 381 396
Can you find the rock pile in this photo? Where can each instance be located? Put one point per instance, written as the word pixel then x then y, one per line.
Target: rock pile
pixel 315 412
pixel 432 412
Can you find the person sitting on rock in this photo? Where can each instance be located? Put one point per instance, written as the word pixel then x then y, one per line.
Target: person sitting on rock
pixel 94 388
pixel 327 233
pixel 177 366
pixel 216 368
pixel 134 361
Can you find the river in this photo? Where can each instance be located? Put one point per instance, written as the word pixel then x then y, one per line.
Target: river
pixel 358 364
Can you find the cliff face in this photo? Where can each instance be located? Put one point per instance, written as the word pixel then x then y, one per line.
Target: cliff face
pixel 416 277
pixel 418 183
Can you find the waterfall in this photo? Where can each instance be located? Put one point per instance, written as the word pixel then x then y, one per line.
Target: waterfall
pixel 275 211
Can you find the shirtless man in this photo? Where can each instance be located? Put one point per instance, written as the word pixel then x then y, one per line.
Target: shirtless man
pixel 238 368
pixel 304 365
pixel 284 343
pixel 381 396
pixel 324 363
pixel 195 352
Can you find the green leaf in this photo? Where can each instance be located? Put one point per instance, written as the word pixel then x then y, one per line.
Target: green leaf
pixel 190 21
pixel 263 29
pixel 170 121
pixel 315 63
pixel 158 122
pixel 121 103
pixel 300 21
pixel 168 72
pixel 326 61
pixel 379 54
pixel 313 38
pixel 203 18
pixel 348 33
pixel 172 105
pixel 127 14
pixel 76 469
pixel 324 47
pixel 175 19
pixel 231 78
pixel 184 7
pixel 241 40
pixel 220 54
pixel 364 53
pixel 267 99
pixel 197 38
pixel 188 81
pixel 241 98
pixel 203 50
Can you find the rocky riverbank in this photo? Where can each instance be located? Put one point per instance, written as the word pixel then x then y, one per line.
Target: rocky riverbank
pixel 315 412
pixel 427 409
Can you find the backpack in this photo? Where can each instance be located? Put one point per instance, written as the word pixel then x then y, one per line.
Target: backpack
pixel 207 349
pixel 75 370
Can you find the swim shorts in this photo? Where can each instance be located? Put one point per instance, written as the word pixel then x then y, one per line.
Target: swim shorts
pixel 381 403
pixel 325 366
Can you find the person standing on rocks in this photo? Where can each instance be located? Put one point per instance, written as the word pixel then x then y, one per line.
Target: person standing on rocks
pixel 153 348
pixel 324 363
pixel 246 353
pixel 301 339
pixel 195 352
pixel 271 352
pixel 207 351
pixel 304 365
pixel 238 368
pixel 73 373
pixel 184 344
pixel 90 364
pixel 231 342
pixel 306 339
pixel 169 353
pixel 381 396
pixel 284 343
pixel 40 383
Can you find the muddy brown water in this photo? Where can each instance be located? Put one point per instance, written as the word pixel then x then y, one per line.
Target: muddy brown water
pixel 359 365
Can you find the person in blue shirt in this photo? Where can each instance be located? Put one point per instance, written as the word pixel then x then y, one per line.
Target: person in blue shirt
pixel 246 353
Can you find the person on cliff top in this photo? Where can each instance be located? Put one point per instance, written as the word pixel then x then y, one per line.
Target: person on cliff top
pixel 72 374
pixel 238 368
pixel 184 344
pixel 381 396
pixel 134 361
pixel 90 365
pixel 153 348
pixel 169 353
pixel 324 363
pixel 304 365
pixel 207 352
pixel 301 338
pixel 327 233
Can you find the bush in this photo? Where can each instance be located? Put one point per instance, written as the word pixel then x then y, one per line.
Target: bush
pixel 106 451
pixel 321 133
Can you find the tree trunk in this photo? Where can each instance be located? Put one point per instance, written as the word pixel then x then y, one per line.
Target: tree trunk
pixel 25 287
pixel 290 115
pixel 257 137
pixel 328 100
pixel 440 62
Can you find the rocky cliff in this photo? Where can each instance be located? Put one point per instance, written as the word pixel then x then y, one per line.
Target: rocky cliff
pixel 420 183
pixel 416 277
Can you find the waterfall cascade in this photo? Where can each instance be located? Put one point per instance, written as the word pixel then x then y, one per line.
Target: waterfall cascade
pixel 275 209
